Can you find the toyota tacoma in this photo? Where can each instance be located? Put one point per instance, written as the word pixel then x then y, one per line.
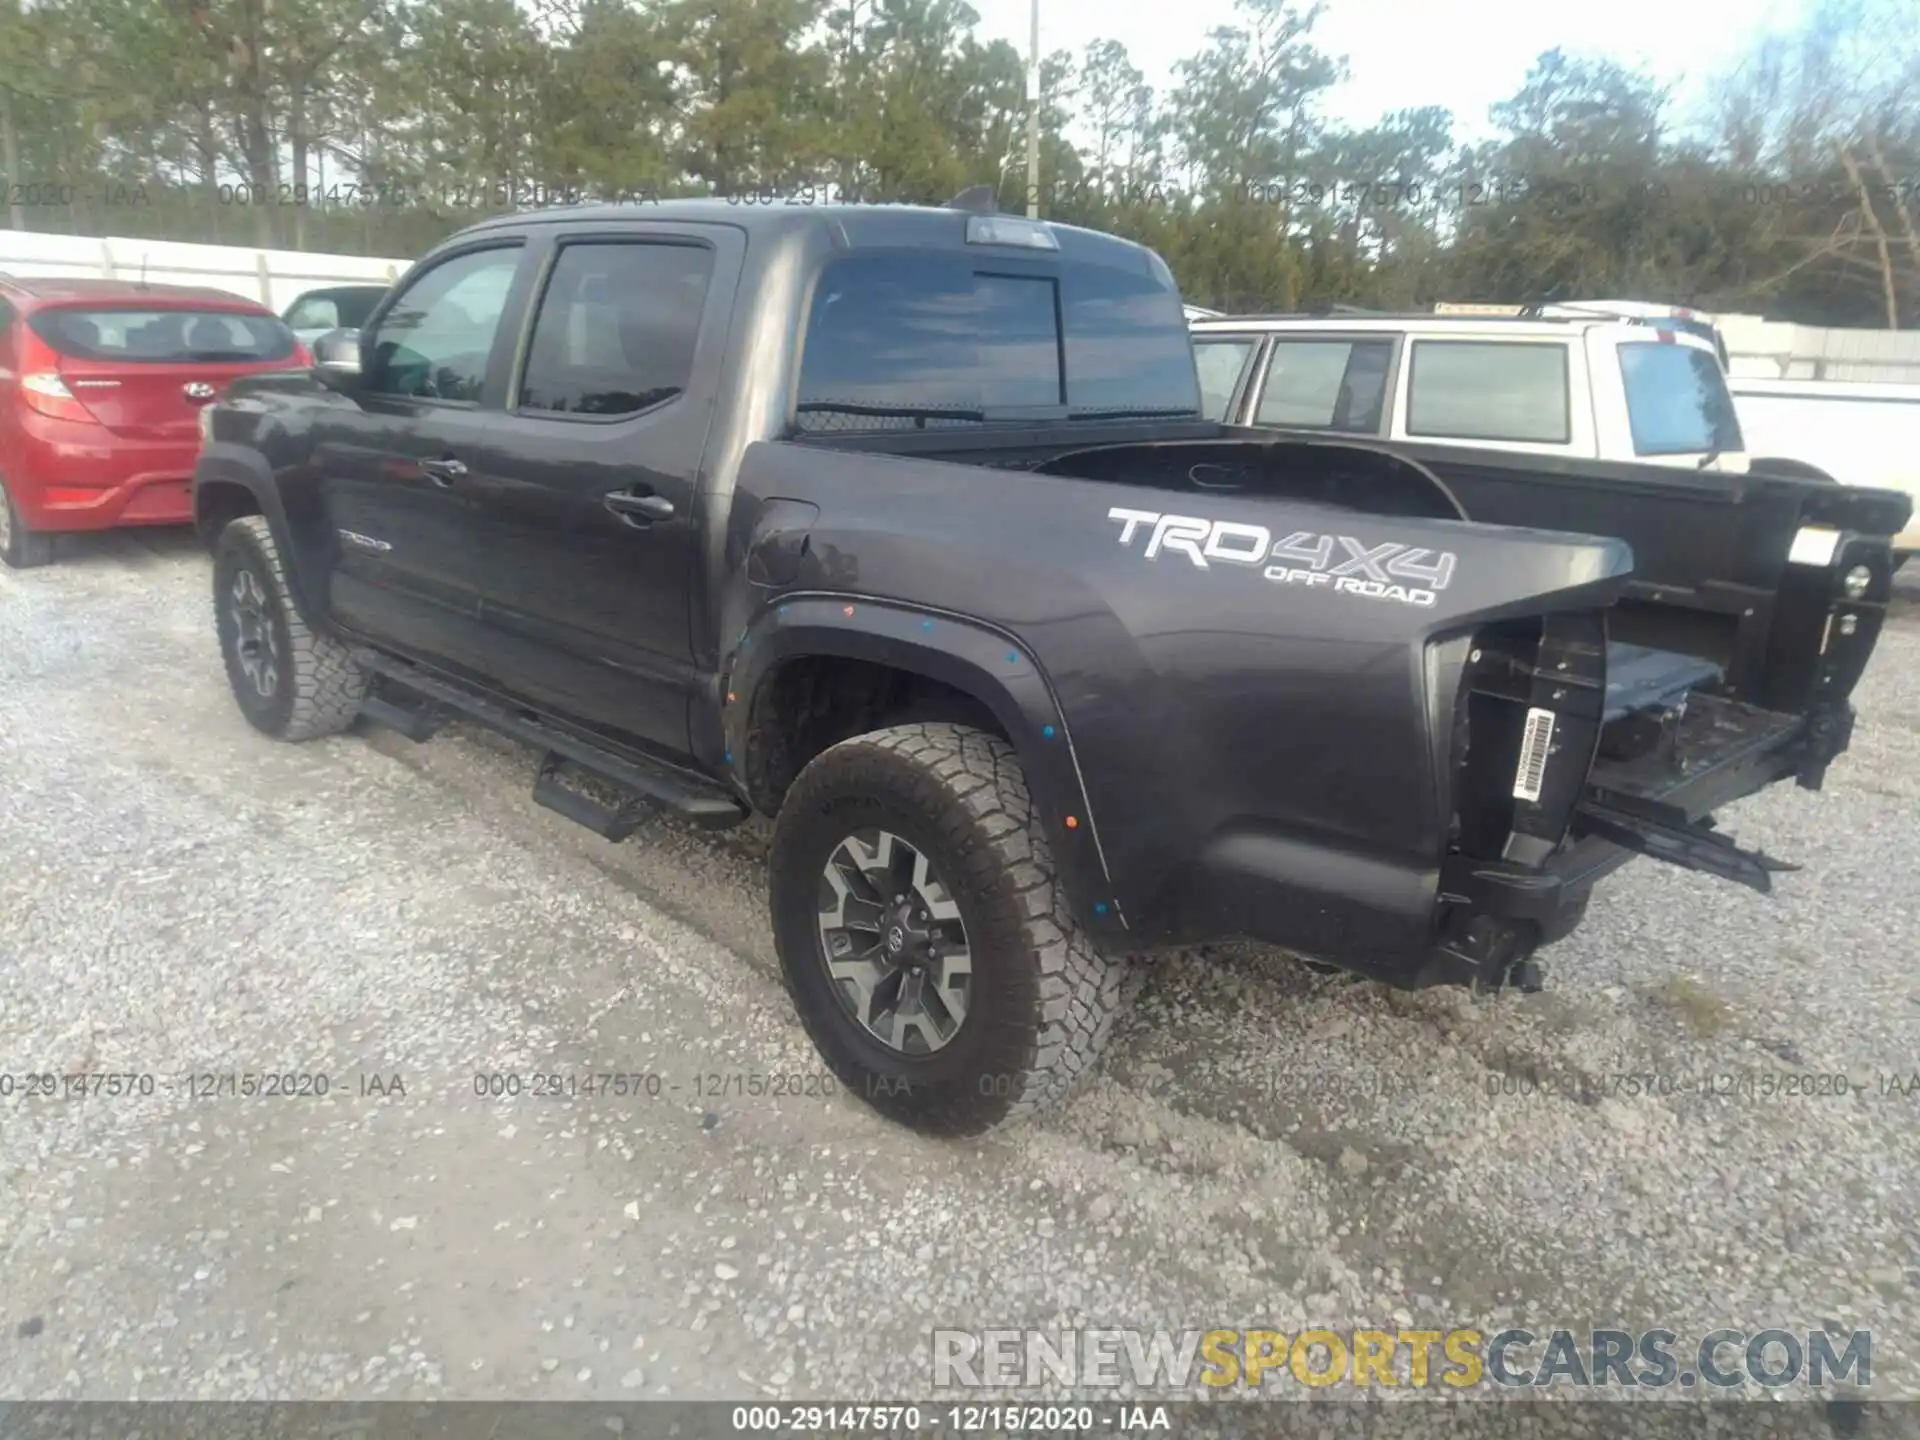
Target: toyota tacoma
pixel 903 526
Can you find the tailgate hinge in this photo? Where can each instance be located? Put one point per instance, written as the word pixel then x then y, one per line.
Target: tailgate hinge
pixel 1665 833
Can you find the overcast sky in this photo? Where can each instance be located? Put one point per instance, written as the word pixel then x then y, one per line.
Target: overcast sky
pixel 1464 55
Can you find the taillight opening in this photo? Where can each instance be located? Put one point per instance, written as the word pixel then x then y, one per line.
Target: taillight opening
pixel 1526 725
pixel 43 387
pixel 47 394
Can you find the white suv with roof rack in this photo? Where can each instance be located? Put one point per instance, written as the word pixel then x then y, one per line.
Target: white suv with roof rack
pixel 1585 387
pixel 1669 317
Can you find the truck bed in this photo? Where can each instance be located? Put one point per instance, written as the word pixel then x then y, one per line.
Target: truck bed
pixel 1711 584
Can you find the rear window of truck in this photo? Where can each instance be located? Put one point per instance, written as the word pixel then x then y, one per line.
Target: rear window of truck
pixel 1677 400
pixel 163 336
pixel 1490 390
pixel 911 340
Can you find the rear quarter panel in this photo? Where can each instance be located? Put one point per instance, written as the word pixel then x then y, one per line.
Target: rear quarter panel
pixel 1210 711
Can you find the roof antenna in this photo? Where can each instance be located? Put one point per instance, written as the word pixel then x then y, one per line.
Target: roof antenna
pixel 978 198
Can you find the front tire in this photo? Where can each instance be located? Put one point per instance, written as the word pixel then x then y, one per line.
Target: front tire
pixel 991 1004
pixel 289 681
pixel 21 548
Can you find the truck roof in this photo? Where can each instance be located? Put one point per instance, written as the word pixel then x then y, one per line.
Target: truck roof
pixel 854 226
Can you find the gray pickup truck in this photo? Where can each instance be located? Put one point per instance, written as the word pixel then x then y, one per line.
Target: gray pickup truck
pixel 902 525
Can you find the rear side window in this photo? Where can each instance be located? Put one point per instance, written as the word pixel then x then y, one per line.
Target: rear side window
pixel 162 337
pixel 1482 390
pixel 1677 400
pixel 1326 384
pixel 913 340
pixel 617 327
pixel 1219 363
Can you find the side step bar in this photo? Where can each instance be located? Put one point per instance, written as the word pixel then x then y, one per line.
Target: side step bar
pixel 417 722
pixel 685 793
pixel 1664 832
pixel 609 822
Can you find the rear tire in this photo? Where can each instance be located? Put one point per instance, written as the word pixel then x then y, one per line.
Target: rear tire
pixel 289 681
pixel 21 548
pixel 1039 1002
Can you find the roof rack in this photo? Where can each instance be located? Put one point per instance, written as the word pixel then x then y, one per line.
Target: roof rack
pixel 1508 315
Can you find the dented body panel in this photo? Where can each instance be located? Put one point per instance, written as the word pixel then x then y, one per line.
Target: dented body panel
pixel 1260 685
pixel 1221 720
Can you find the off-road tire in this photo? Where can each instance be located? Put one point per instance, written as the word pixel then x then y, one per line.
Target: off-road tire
pixel 24 549
pixel 320 686
pixel 1042 1002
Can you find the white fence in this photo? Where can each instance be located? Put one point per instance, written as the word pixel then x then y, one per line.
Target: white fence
pixel 273 277
pixel 1761 349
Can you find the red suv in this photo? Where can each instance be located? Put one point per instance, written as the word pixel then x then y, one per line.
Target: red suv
pixel 101 387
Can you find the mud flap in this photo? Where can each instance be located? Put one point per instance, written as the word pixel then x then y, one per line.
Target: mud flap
pixel 1663 832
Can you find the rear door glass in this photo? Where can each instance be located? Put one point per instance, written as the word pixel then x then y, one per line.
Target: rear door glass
pixel 163 337
pixel 1490 390
pixel 617 326
pixel 1220 363
pixel 1326 384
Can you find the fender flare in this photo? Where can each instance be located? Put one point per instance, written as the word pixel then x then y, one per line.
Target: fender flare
pixel 223 466
pixel 990 665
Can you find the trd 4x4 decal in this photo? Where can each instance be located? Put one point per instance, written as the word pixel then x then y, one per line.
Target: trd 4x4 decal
pixel 1335 562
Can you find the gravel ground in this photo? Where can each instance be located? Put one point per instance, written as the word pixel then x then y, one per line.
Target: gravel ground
pixel 1265 1146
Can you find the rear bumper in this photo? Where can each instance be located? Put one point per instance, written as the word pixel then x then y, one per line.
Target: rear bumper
pixel 67 476
pixel 1465 921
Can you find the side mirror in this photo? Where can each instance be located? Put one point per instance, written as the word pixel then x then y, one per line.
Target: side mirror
pixel 336 359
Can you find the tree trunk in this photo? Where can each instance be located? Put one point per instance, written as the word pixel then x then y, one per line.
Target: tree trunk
pixel 1883 253
pixel 10 157
pixel 209 149
pixel 256 129
pixel 257 142
pixel 297 132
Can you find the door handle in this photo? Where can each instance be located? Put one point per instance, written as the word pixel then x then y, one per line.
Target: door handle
pixel 639 509
pixel 442 472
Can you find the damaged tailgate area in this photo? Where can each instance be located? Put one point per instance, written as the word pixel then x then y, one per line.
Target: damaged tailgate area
pixel 1575 750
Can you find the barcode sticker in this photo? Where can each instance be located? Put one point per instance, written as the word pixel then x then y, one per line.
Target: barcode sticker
pixel 1534 746
pixel 1813 545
